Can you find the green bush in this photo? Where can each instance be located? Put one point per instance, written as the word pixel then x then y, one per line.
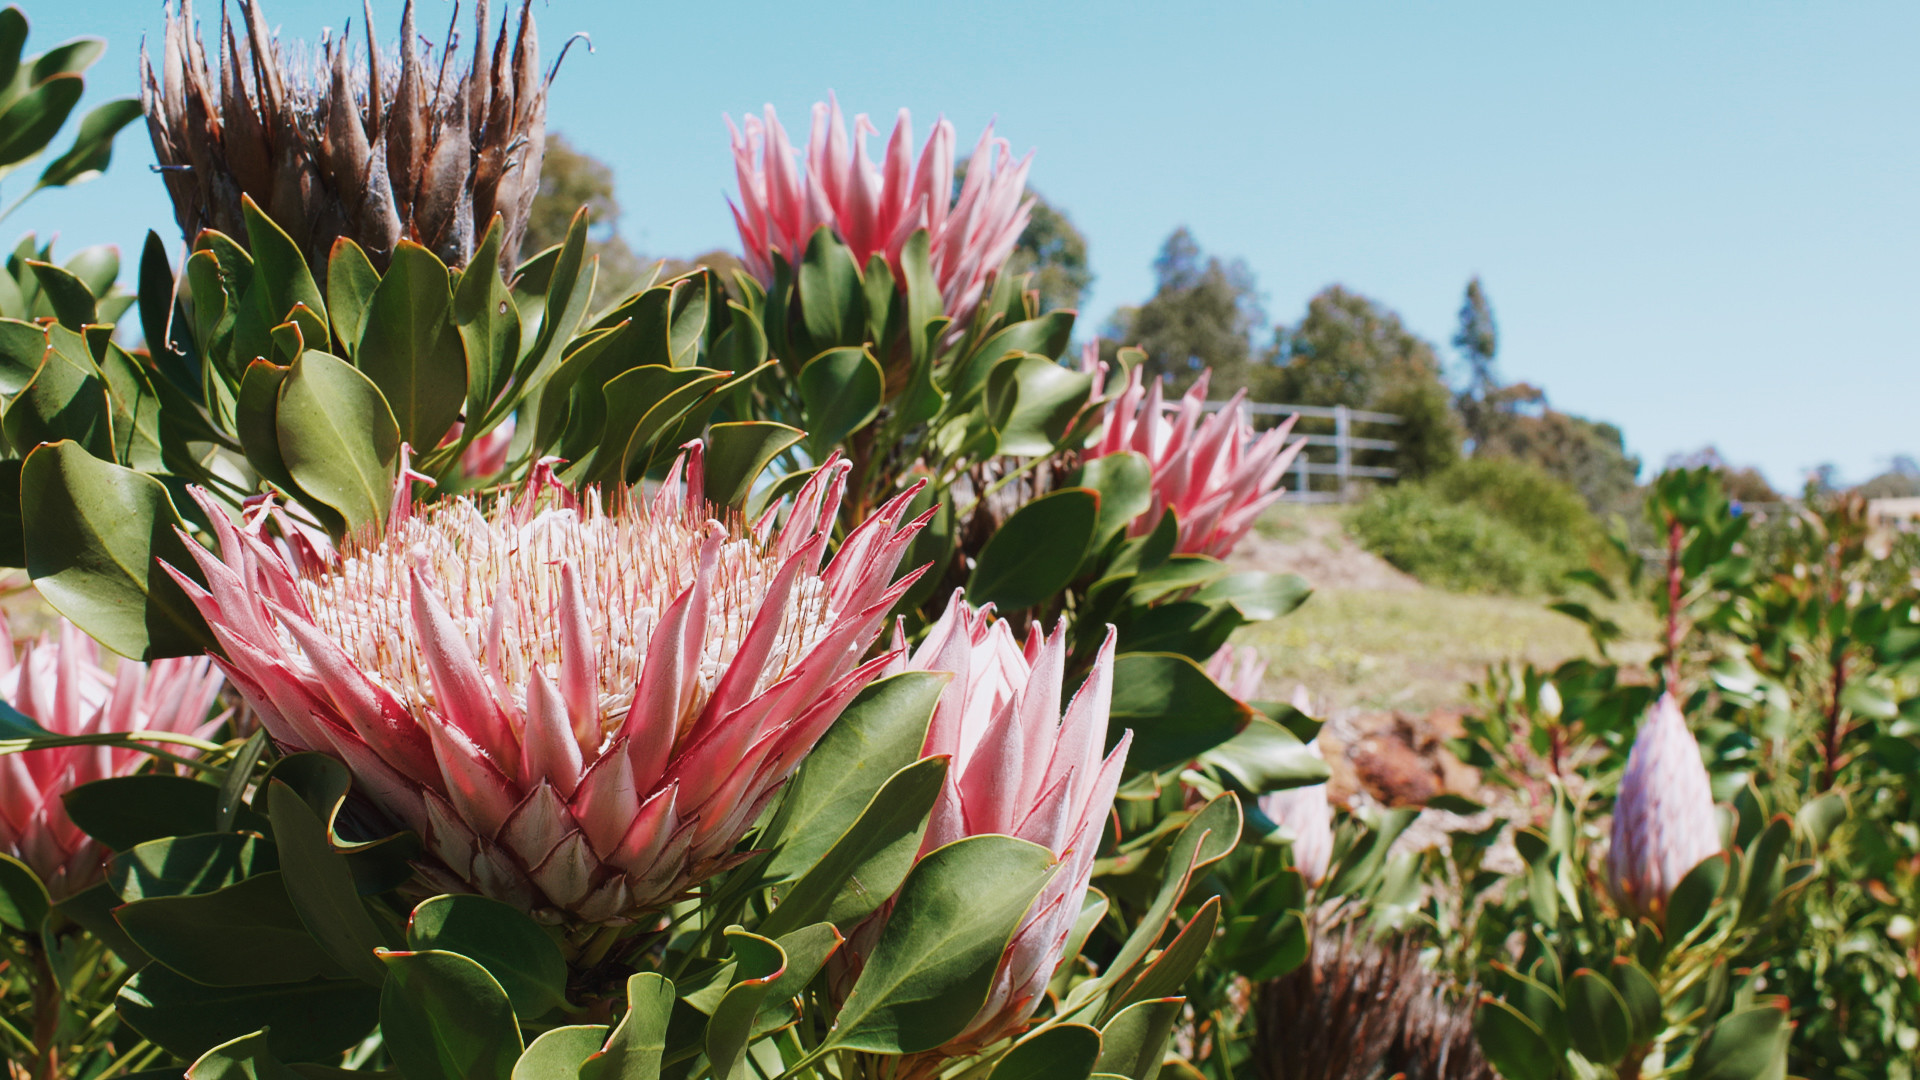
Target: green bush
pixel 1481 526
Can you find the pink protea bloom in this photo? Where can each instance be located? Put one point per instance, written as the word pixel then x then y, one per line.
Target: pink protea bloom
pixel 873 210
pixel 58 683
pixel 1238 672
pixel 1664 823
pixel 1018 766
pixel 581 709
pixel 1211 470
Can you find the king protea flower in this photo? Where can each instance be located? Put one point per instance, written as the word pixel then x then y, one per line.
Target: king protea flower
pixel 873 210
pixel 1664 823
pixel 1238 672
pixel 331 144
pixel 1211 470
pixel 580 709
pixel 58 683
pixel 1018 766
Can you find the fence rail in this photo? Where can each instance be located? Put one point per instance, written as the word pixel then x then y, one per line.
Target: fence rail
pixel 1343 442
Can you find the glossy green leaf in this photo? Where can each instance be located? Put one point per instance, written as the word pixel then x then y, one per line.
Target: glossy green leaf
pixel 1061 1052
pixel 1687 908
pixel 92 145
pixel 1266 757
pixel 880 733
pixel 758 962
pixel 1511 1043
pixel 411 349
pixel 870 860
pixel 1207 837
pixel 189 865
pixel 934 963
pixel 521 956
pixel 737 453
pixel 22 346
pixel 639 1042
pixel 1036 552
pixel 23 899
pixel 559 1053
pixel 321 885
pixel 125 811
pixel 1125 484
pixel 338 438
pixel 305 1021
pixel 1820 817
pixel 247 934
pixel 841 391
pixel 281 269
pixel 35 117
pixel 70 299
pixel 1641 995
pixel 1760 870
pixel 249 1057
pixel 832 304
pixel 445 1018
pixel 65 399
pixel 1176 712
pixel 1046 336
pixel 1748 1045
pixel 1597 1021
pixel 351 281
pixel 1169 971
pixel 1133 1043
pixel 1257 594
pixel 489 326
pixel 1033 402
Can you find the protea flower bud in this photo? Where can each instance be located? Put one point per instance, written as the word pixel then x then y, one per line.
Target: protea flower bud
pixel 1664 823
pixel 581 709
pixel 1307 815
pixel 1214 473
pixel 1020 767
pixel 376 148
pixel 1238 672
pixel 58 683
pixel 874 210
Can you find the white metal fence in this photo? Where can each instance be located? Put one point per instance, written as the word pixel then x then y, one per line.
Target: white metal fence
pixel 1343 442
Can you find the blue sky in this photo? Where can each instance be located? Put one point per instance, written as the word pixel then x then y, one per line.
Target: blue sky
pixel 1699 221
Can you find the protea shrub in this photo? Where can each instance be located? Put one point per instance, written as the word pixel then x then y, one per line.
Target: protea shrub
pixel 873 209
pixel 1019 766
pixel 579 704
pixel 1664 823
pixel 377 147
pixel 1213 471
pixel 57 682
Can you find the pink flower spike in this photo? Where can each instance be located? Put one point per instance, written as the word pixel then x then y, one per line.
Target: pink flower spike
pixel 580 704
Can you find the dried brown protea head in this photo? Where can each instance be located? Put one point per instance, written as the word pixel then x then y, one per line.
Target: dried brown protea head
pixel 330 142
pixel 1361 1010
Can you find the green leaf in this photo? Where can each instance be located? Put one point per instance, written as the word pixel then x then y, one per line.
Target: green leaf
pixel 881 732
pixel 832 305
pixel 639 1041
pixel 512 947
pixel 247 934
pixel 1046 336
pixel 280 267
pixel 737 453
pixel 125 811
pixel 444 1017
pixel 488 324
pixel 1267 757
pixel 1207 837
pixel 1134 1042
pixel 1257 594
pixel 13 38
pixel 934 963
pixel 72 302
pixel 1061 1052
pixel 1035 552
pixel 351 281
pixel 1597 1020
pixel 758 963
pixel 1759 871
pixel 1033 401
pixel 92 144
pixel 411 350
pixel 65 399
pixel 189 865
pixel 1688 906
pixel 559 1053
pixel 1125 484
pixel 1642 998
pixel 22 346
pixel 870 860
pixel 249 1057
pixel 1175 710
pixel 1170 970
pixel 1820 817
pixel 559 307
pixel 321 884
pixel 1511 1042
pixel 305 1021
pixel 338 438
pixel 1748 1045
pixel 841 392
pixel 31 122
pixel 23 899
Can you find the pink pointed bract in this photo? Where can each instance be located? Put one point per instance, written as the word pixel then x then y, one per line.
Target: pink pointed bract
pixel 1664 822
pixel 1307 815
pixel 1211 469
pixel 58 682
pixel 1238 671
pixel 1020 767
pixel 581 709
pixel 874 209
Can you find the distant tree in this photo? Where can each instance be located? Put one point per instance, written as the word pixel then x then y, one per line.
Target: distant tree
pixel 1589 455
pixel 1478 340
pixel 1055 253
pixel 1900 481
pixel 1201 315
pixel 570 179
pixel 1743 483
